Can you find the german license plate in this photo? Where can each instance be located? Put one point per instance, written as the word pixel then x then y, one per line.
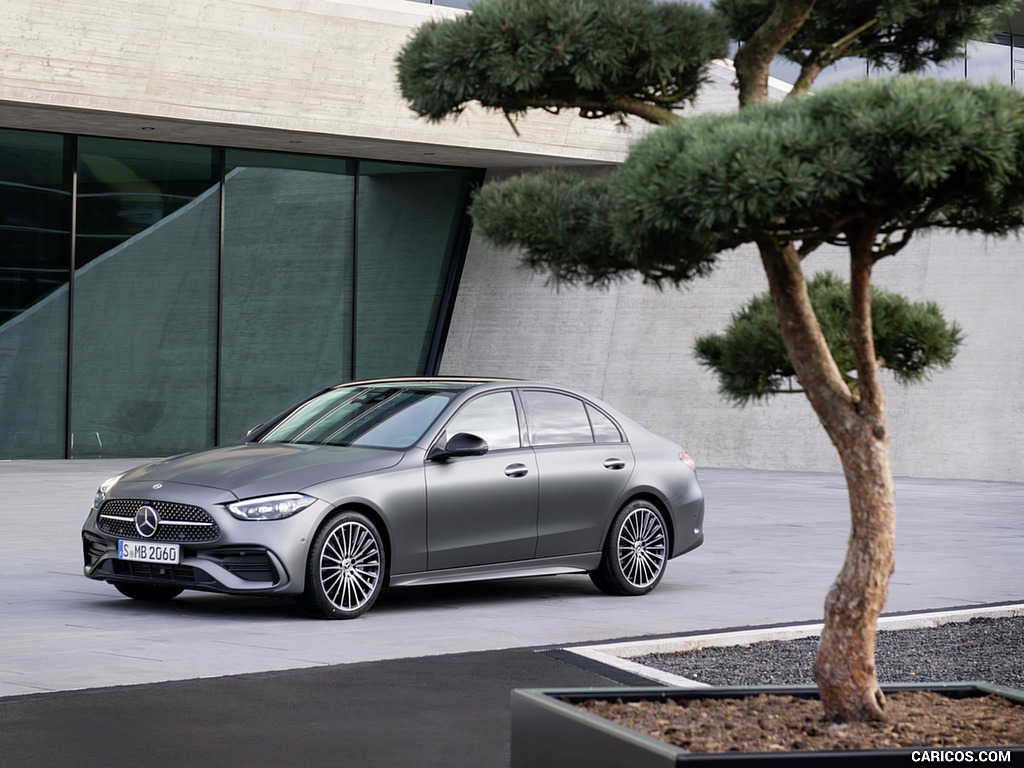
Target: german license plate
pixel 148 552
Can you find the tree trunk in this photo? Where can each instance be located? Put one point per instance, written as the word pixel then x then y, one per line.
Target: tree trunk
pixel 855 422
pixel 845 666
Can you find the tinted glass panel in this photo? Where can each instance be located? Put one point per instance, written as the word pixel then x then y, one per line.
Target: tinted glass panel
pixel 126 187
pixel 989 61
pixel 556 419
pixel 383 417
pixel 604 428
pixel 408 220
pixel 198 303
pixel 288 255
pixel 35 264
pixel 145 301
pixel 492 417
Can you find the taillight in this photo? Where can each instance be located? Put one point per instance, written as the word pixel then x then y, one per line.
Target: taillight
pixel 687 459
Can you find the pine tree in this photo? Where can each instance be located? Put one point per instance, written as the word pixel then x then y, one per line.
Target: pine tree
pixel 863 165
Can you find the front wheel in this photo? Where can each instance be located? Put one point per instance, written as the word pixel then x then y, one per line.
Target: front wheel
pixel 345 570
pixel 635 553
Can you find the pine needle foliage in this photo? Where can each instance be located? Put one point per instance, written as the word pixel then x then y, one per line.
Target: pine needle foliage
pixel 912 339
pixel 905 155
pixel 903 35
pixel 600 57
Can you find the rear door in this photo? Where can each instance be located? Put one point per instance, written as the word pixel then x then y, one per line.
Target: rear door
pixel 584 467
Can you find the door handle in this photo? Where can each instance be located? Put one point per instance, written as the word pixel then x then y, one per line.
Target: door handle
pixel 516 470
pixel 614 464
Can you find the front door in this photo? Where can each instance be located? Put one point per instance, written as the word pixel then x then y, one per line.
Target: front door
pixel 483 509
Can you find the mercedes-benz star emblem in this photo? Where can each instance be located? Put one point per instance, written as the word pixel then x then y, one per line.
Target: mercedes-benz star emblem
pixel 146 521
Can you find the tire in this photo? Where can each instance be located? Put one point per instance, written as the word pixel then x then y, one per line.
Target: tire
pixel 345 570
pixel 151 592
pixel 635 553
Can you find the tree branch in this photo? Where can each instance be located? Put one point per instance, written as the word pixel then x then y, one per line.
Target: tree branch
pixel 811 69
pixel 808 351
pixel 755 55
pixel 862 339
pixel 593 109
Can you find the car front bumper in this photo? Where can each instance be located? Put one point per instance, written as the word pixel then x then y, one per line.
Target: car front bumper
pixel 219 554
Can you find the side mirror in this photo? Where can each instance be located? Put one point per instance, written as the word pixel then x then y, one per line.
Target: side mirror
pixel 461 444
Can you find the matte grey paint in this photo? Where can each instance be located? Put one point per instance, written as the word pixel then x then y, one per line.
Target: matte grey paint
pixel 505 513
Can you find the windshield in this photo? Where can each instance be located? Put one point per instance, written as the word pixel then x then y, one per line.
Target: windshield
pixel 378 416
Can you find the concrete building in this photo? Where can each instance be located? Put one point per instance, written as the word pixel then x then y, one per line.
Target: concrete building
pixel 211 208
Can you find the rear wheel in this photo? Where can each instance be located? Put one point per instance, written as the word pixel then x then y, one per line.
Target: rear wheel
pixel 635 553
pixel 151 592
pixel 345 571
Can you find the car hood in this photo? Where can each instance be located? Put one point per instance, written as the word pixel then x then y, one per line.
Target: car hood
pixel 256 469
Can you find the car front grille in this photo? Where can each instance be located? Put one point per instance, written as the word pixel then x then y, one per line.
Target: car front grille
pixel 178 522
pixel 183 575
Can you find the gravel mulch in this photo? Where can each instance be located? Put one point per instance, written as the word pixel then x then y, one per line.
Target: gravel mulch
pixel 989 650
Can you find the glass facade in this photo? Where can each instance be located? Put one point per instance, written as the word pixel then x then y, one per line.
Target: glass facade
pixel 997 60
pixel 158 298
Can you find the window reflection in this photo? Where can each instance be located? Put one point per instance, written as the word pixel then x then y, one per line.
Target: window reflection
pixel 556 419
pixel 989 61
pixel 35 267
pixel 288 286
pixel 492 417
pixel 409 220
pixel 145 301
pixel 604 428
pixel 381 417
pixel 983 62
pixel 206 291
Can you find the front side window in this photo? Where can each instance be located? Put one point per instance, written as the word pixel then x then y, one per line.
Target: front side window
pixel 491 417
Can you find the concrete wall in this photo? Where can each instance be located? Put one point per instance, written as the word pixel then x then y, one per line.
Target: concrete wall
pixel 631 345
pixel 296 75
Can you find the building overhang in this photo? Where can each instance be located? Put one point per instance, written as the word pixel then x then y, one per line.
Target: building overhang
pixel 316 77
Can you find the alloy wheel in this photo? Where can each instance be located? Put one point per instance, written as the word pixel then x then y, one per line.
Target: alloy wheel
pixel 641 547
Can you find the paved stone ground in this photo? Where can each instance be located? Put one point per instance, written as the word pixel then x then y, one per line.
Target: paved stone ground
pixel 425 676
pixel 774 543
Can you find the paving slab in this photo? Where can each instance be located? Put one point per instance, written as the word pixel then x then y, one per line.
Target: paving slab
pixel 774 543
pixel 423 678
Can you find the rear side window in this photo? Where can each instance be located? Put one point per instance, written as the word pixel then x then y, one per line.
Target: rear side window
pixel 605 430
pixel 556 419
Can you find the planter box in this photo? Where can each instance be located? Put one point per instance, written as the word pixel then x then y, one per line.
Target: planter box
pixel 548 731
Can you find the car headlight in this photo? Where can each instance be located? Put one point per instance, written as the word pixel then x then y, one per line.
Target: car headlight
pixel 270 507
pixel 104 489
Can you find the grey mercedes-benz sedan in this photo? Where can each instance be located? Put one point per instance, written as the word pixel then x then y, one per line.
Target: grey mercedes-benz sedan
pixel 395 482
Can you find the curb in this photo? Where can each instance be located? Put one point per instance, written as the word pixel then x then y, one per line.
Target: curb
pixel 618 655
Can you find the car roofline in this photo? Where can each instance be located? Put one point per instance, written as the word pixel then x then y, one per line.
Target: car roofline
pixel 426 380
